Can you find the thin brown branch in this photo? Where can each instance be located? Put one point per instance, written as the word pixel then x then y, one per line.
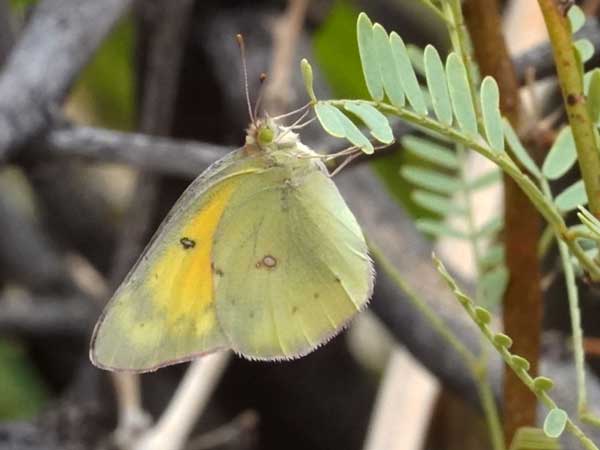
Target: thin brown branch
pixel 522 302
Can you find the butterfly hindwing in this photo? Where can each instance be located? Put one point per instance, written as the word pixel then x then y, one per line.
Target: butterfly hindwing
pixel 291 264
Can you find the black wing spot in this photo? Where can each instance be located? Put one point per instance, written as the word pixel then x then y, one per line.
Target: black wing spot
pixel 337 280
pixel 294 309
pixel 268 261
pixel 187 243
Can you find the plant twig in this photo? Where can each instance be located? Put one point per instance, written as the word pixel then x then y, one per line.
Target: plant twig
pixel 162 155
pixel 571 84
pixel 175 425
pixel 518 364
pixel 244 424
pixel 522 302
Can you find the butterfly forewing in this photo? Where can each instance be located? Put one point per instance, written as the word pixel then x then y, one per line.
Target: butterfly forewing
pixel 164 311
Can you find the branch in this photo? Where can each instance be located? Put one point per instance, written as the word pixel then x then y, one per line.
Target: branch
pixel 176 423
pixel 166 156
pixel 58 41
pixel 540 56
pixel 46 316
pixel 522 301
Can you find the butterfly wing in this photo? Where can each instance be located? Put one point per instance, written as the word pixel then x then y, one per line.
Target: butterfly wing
pixel 292 264
pixel 164 310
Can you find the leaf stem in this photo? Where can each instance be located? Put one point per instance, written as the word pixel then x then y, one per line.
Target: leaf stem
pixel 475 363
pixel 509 358
pixel 576 329
pixel 490 408
pixel 543 205
pixel 571 84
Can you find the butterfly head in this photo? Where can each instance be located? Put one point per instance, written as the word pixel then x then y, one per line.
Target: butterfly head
pixel 267 136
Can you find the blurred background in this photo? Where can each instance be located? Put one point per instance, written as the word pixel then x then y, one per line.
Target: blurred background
pixel 82 192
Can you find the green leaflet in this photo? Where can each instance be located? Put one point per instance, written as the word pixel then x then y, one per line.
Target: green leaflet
pixel 436 228
pixel 430 179
pixel 490 228
pixel 329 119
pixel 307 76
pixel 407 75
pixel 492 119
pixel 493 284
pixel 339 125
pixel 555 422
pixel 373 119
pixel 585 49
pixel 389 75
pixel 576 18
pixel 493 256
pixel 368 57
pixel 435 203
pixel 460 94
pixel 593 94
pixel 561 156
pixel 437 84
pixel 519 151
pixel 571 197
pixel 430 151
pixel 416 58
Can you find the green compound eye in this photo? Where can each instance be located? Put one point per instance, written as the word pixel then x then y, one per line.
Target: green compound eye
pixel 266 135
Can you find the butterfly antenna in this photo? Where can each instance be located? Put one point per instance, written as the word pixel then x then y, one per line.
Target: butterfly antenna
pixel 240 40
pixel 262 78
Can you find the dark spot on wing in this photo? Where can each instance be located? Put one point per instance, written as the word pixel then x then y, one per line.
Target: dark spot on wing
pixel 294 309
pixel 268 261
pixel 187 243
pixel 316 295
pixel 337 280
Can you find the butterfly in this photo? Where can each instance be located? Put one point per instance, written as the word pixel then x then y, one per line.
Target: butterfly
pixel 260 255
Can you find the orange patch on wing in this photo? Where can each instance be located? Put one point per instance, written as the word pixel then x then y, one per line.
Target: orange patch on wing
pixel 182 284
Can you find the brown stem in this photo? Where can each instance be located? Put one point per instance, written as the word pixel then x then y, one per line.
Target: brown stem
pixel 522 305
